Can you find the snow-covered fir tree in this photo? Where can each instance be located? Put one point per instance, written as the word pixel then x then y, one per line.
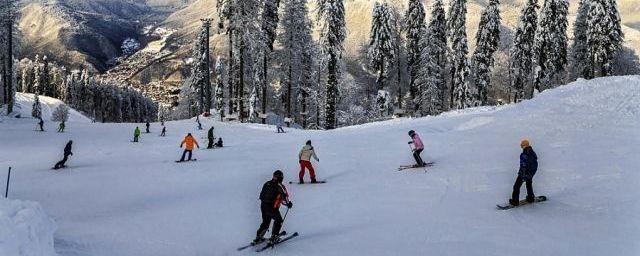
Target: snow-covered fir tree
pixel 296 56
pixel 8 20
pixel 269 26
pixel 460 93
pixel 45 80
pixel 200 80
pixel 550 45
pixel 332 35
pixel 36 108
pixel 580 64
pixel 604 36
pixel 415 30
pixel 219 91
pixel 37 77
pixel 487 40
pixel 521 62
pixel 433 61
pixel 61 114
pixel 381 51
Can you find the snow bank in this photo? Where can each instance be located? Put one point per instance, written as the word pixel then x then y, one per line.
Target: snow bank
pixel 24 105
pixel 25 230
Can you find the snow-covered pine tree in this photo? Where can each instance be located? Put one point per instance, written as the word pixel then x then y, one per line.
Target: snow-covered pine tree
pixel 381 51
pixel 8 16
pixel 270 21
pixel 332 34
pixel 219 91
pixel 296 53
pixel 61 114
pixel 431 78
pixel 460 93
pixel 200 80
pixel 604 36
pixel 521 54
pixel 37 77
pixel 550 45
pixel 45 80
pixel 580 63
pixel 415 30
pixel 36 108
pixel 487 40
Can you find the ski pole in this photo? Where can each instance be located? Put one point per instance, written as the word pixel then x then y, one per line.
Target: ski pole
pixel 6 191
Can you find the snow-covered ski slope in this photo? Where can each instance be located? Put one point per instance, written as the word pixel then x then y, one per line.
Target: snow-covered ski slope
pixel 125 199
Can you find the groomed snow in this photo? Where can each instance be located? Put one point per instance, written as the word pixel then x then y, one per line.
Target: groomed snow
pixel 25 230
pixel 119 198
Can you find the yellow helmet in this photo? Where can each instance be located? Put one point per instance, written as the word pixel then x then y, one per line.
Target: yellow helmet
pixel 525 143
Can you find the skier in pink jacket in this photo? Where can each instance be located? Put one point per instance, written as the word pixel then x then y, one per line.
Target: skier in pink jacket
pixel 418 147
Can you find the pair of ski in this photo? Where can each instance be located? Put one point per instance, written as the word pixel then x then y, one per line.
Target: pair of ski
pixel 269 244
pixel 415 166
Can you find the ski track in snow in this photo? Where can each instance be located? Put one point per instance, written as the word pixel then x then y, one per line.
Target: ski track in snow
pixel 120 198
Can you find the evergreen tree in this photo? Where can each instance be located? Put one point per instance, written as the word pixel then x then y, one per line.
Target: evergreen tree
pixel 296 54
pixel 37 78
pixel 36 109
pixel 415 31
pixel 550 45
pixel 580 63
pixel 460 94
pixel 8 16
pixel 604 36
pixel 381 50
pixel 46 88
pixel 487 40
pixel 332 35
pixel 269 28
pixel 522 51
pixel 200 80
pixel 433 63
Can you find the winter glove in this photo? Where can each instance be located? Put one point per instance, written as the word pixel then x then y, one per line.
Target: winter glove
pixel 410 142
pixel 290 204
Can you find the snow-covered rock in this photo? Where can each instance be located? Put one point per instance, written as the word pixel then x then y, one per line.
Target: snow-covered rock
pixel 25 230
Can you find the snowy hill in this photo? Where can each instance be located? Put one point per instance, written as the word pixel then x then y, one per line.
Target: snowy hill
pixel 24 105
pixel 119 198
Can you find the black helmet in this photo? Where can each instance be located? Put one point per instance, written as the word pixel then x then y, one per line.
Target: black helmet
pixel 309 142
pixel 278 176
pixel 278 173
pixel 412 132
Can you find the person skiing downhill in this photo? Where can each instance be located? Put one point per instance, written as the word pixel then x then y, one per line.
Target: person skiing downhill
pixel 304 157
pixel 528 168
pixel 136 134
pixel 61 127
pixel 188 142
pixel 418 147
pixel 211 138
pixel 41 124
pixel 67 153
pixel 273 194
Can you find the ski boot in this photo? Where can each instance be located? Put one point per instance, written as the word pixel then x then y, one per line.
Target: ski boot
pixel 313 180
pixel 274 239
pixel 531 199
pixel 301 181
pixel 514 202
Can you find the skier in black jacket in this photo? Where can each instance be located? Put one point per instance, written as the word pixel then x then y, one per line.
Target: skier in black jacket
pixel 67 153
pixel 272 195
pixel 528 168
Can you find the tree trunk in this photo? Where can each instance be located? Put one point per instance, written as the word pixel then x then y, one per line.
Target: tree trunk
pixel 265 84
pixel 231 75
pixel 240 90
pixel 8 81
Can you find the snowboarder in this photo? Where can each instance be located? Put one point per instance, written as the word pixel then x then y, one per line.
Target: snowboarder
pixel 219 143
pixel 211 138
pixel 164 131
pixel 528 168
pixel 418 147
pixel 273 194
pixel 67 153
pixel 41 124
pixel 188 142
pixel 148 125
pixel 280 129
pixel 136 134
pixel 61 127
pixel 199 124
pixel 305 162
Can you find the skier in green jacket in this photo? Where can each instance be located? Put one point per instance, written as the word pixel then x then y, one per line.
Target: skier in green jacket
pixel 136 134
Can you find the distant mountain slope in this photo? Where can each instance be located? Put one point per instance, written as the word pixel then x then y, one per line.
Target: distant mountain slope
pixel 80 32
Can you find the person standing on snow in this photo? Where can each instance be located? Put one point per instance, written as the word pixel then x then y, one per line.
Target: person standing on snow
pixel 188 142
pixel 528 168
pixel 61 127
pixel 211 138
pixel 67 153
pixel 164 131
pixel 418 147
pixel 136 134
pixel 148 125
pixel 41 124
pixel 273 194
pixel 305 155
